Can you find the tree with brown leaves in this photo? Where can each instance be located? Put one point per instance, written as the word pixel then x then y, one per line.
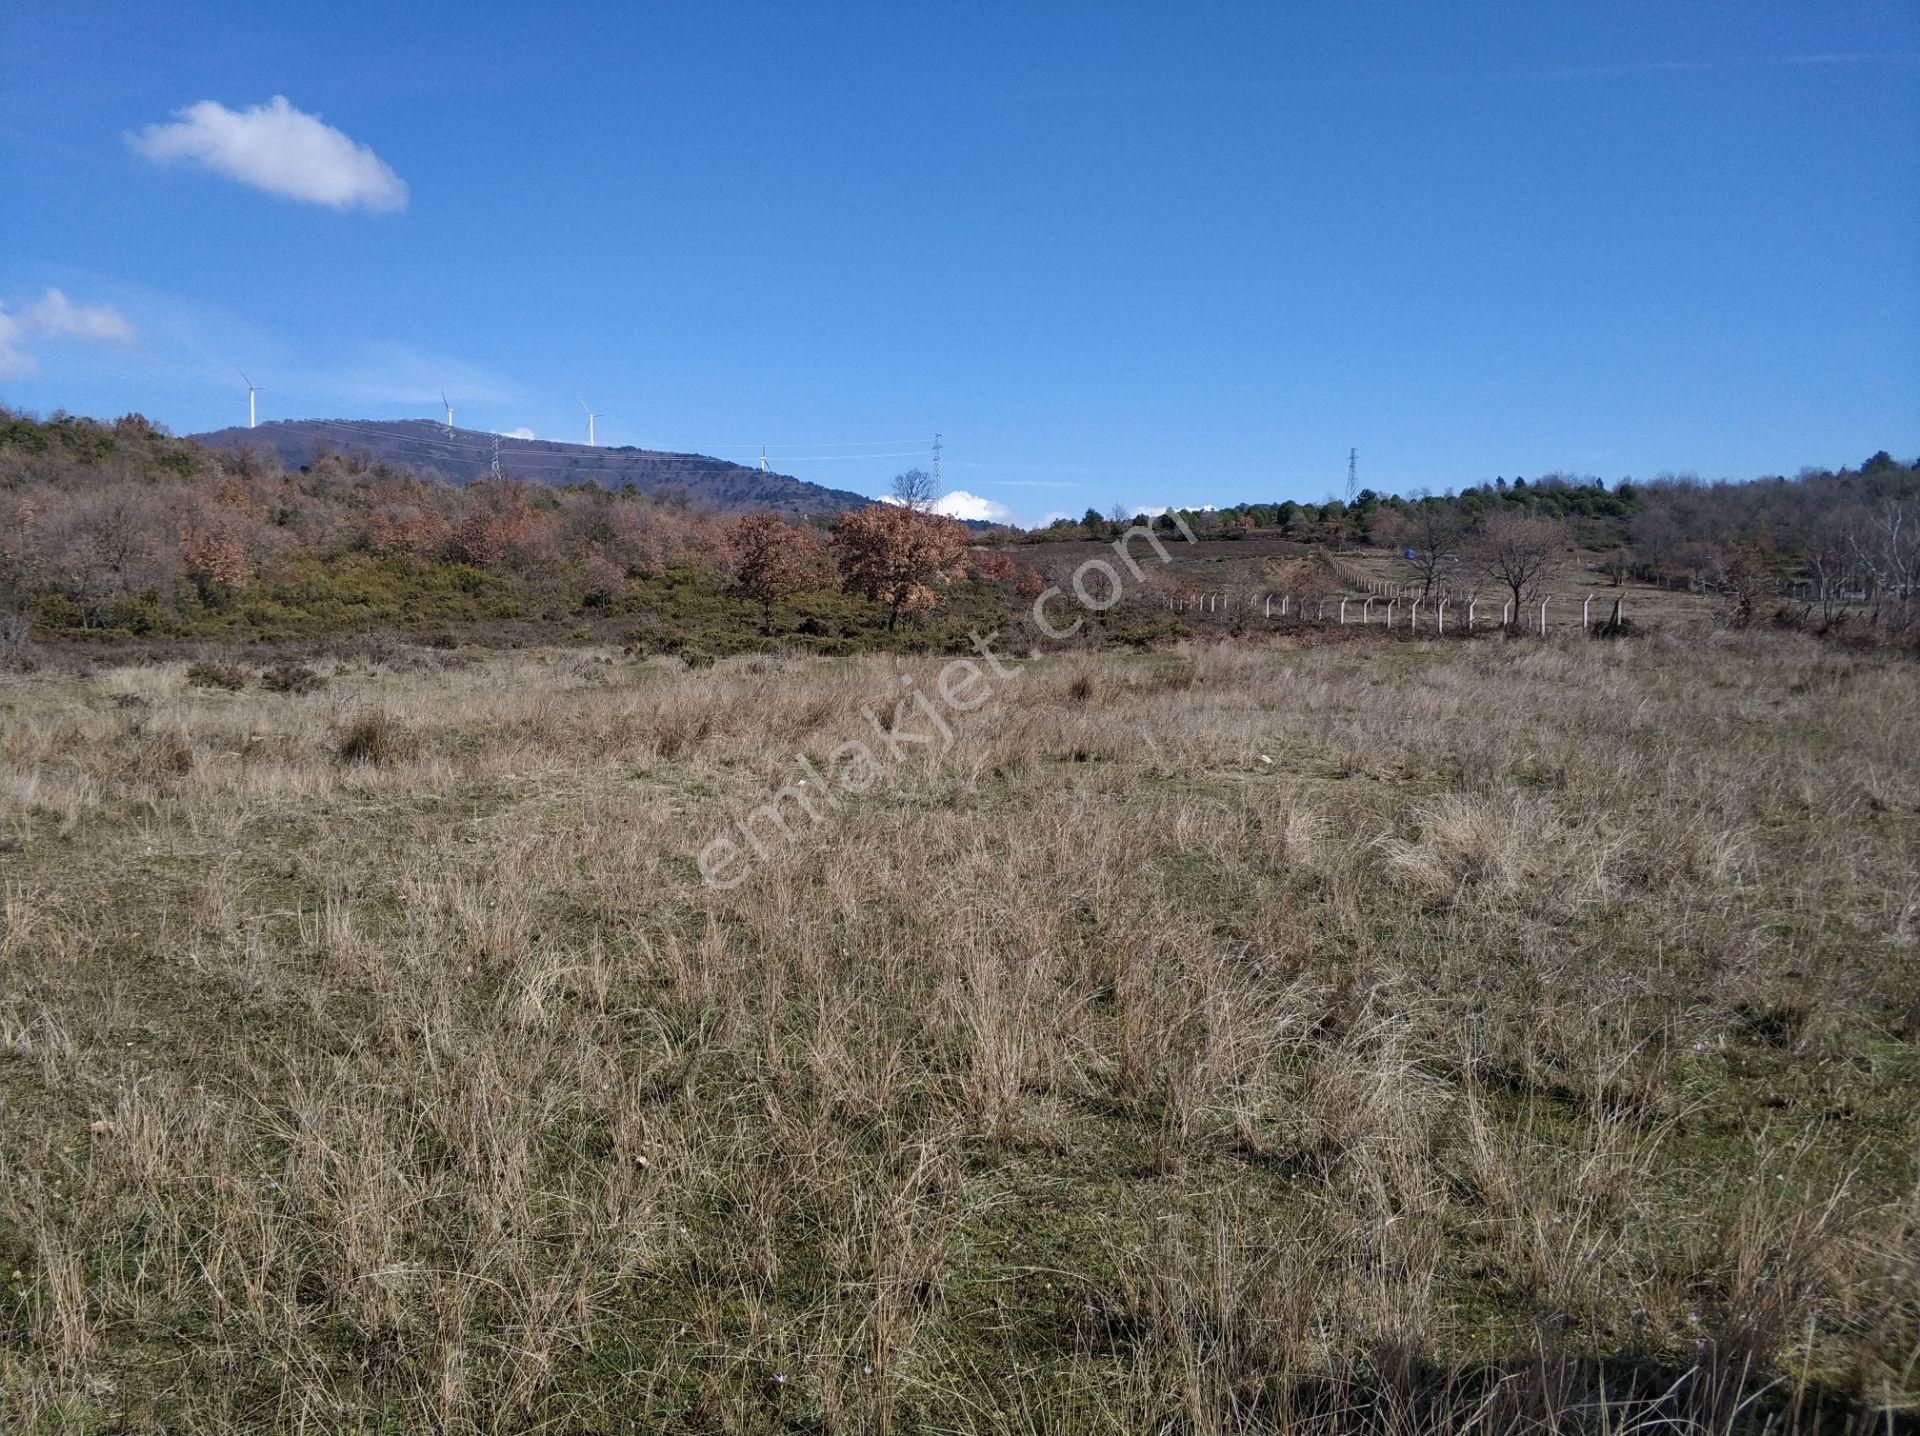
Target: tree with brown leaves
pixel 214 556
pixel 771 559
pixel 898 556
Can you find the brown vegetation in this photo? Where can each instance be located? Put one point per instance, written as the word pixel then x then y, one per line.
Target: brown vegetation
pixel 898 556
pixel 773 559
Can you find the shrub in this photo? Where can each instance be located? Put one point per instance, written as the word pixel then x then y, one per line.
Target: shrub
pixel 205 674
pixel 374 737
pixel 16 641
pixel 156 754
pixel 289 677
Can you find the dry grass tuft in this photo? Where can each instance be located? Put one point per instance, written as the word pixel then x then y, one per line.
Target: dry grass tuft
pixel 374 737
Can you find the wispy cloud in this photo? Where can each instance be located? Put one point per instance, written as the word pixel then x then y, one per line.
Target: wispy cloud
pixel 523 432
pixel 1689 67
pixel 400 376
pixel 54 316
pixel 1035 483
pixel 279 149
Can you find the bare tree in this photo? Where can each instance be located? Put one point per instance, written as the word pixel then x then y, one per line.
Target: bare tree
pixel 914 490
pixel 1830 559
pixel 1516 550
pixel 1887 546
pixel 1434 532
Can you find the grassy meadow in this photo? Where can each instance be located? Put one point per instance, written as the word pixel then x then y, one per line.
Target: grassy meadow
pixel 1385 1034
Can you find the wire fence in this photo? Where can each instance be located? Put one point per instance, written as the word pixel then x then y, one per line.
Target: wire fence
pixel 1400 607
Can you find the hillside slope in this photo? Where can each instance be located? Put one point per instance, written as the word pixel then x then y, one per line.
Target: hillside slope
pixel 464 455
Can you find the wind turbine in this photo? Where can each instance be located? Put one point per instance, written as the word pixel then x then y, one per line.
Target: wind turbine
pixel 449 408
pixel 591 416
pixel 250 392
pixel 763 458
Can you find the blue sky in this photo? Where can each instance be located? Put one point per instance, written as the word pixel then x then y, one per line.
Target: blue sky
pixel 1137 254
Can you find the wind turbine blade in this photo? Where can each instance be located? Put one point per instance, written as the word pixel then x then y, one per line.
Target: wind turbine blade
pixel 245 380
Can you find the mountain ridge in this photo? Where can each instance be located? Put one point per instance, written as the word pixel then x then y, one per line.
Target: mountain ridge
pixel 462 456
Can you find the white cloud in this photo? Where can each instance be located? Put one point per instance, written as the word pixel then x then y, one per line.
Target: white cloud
pixel 54 316
pixel 523 432
pixel 279 149
pixel 962 505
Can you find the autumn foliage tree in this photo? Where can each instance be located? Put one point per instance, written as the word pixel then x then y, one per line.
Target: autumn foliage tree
pixel 496 526
pixel 771 559
pixel 898 556
pixel 214 556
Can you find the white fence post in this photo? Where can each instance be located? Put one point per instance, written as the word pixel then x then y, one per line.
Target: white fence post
pixel 1390 607
pixel 1440 616
pixel 1343 610
pixel 1413 616
pixel 1366 610
pixel 1543 614
pixel 1585 604
pixel 1269 612
pixel 1506 613
pixel 1472 599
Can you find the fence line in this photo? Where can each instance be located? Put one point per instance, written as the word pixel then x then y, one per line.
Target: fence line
pixel 1401 609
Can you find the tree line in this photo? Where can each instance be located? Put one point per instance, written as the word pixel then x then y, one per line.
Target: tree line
pixel 122 527
pixel 1829 538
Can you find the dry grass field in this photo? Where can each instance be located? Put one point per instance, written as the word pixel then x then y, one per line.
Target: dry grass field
pixel 1379 1035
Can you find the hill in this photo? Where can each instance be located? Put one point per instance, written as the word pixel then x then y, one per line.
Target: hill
pixel 464 455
